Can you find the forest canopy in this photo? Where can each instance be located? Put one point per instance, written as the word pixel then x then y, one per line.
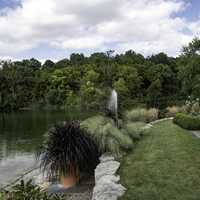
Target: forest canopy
pixel 84 82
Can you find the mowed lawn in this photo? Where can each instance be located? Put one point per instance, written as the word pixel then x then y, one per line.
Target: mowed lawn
pixel 165 165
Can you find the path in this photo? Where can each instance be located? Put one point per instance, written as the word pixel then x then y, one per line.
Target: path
pixel 196 133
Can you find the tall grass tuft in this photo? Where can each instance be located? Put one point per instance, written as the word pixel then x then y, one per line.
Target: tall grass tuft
pixel 152 114
pixel 134 129
pixel 138 114
pixel 142 115
pixel 108 137
pixel 172 111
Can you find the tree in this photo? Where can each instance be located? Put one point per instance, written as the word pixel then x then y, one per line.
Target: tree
pixel 131 78
pixel 160 58
pixel 98 59
pixel 130 58
pixel 62 63
pixel 48 64
pixel 189 74
pixel 77 59
pixel 189 68
pixel 123 92
pixel 154 93
pixel 193 48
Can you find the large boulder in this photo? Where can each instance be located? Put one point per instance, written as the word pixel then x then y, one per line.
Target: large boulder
pixel 106 182
pixel 106 168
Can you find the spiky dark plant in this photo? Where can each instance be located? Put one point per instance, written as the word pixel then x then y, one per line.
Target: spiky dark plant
pixel 68 147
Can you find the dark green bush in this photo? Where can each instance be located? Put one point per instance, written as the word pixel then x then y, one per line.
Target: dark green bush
pixel 187 121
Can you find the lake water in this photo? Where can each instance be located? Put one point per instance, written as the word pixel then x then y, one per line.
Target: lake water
pixel 21 134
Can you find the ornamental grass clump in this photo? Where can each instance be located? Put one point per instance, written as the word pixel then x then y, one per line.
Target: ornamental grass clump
pixel 152 115
pixel 108 137
pixel 172 111
pixel 142 115
pixel 68 151
pixel 134 129
pixel 192 106
pixel 138 114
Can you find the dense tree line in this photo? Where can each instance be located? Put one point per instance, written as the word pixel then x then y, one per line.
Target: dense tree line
pixel 156 81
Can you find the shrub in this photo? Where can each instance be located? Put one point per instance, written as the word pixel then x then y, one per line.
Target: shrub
pixel 192 106
pixel 152 114
pixel 195 109
pixel 142 115
pixel 172 111
pixel 134 130
pixel 187 121
pixel 107 136
pixel 138 114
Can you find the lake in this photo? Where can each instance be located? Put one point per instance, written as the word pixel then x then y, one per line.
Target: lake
pixel 21 134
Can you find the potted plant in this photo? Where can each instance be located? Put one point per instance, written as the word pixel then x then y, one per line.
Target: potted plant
pixel 67 152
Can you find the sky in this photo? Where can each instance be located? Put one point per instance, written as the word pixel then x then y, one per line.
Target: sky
pixel 53 29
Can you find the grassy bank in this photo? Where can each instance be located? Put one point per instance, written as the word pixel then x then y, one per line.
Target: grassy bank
pixel 164 165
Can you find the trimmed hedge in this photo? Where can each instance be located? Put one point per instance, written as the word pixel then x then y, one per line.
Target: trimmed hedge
pixel 187 121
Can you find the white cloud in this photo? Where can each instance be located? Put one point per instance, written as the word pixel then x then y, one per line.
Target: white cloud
pixel 147 26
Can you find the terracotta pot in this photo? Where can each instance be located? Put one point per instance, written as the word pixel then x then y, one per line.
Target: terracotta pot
pixel 71 179
pixel 68 181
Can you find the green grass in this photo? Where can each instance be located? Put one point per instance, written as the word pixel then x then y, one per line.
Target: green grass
pixel 165 165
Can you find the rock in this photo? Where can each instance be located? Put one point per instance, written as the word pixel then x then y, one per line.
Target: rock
pixel 106 168
pixel 106 157
pixel 106 182
pixel 108 191
pixel 108 179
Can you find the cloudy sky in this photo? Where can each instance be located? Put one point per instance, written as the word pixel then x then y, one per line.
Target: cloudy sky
pixel 56 28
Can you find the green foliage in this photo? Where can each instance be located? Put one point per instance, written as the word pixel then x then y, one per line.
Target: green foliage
pixel 108 137
pixel 156 81
pixel 192 48
pixel 154 93
pixel 138 114
pixel 92 97
pixel 187 121
pixel 68 146
pixel 134 129
pixel 142 115
pixel 27 191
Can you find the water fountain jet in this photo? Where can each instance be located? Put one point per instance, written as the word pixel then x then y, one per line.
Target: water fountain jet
pixel 113 105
